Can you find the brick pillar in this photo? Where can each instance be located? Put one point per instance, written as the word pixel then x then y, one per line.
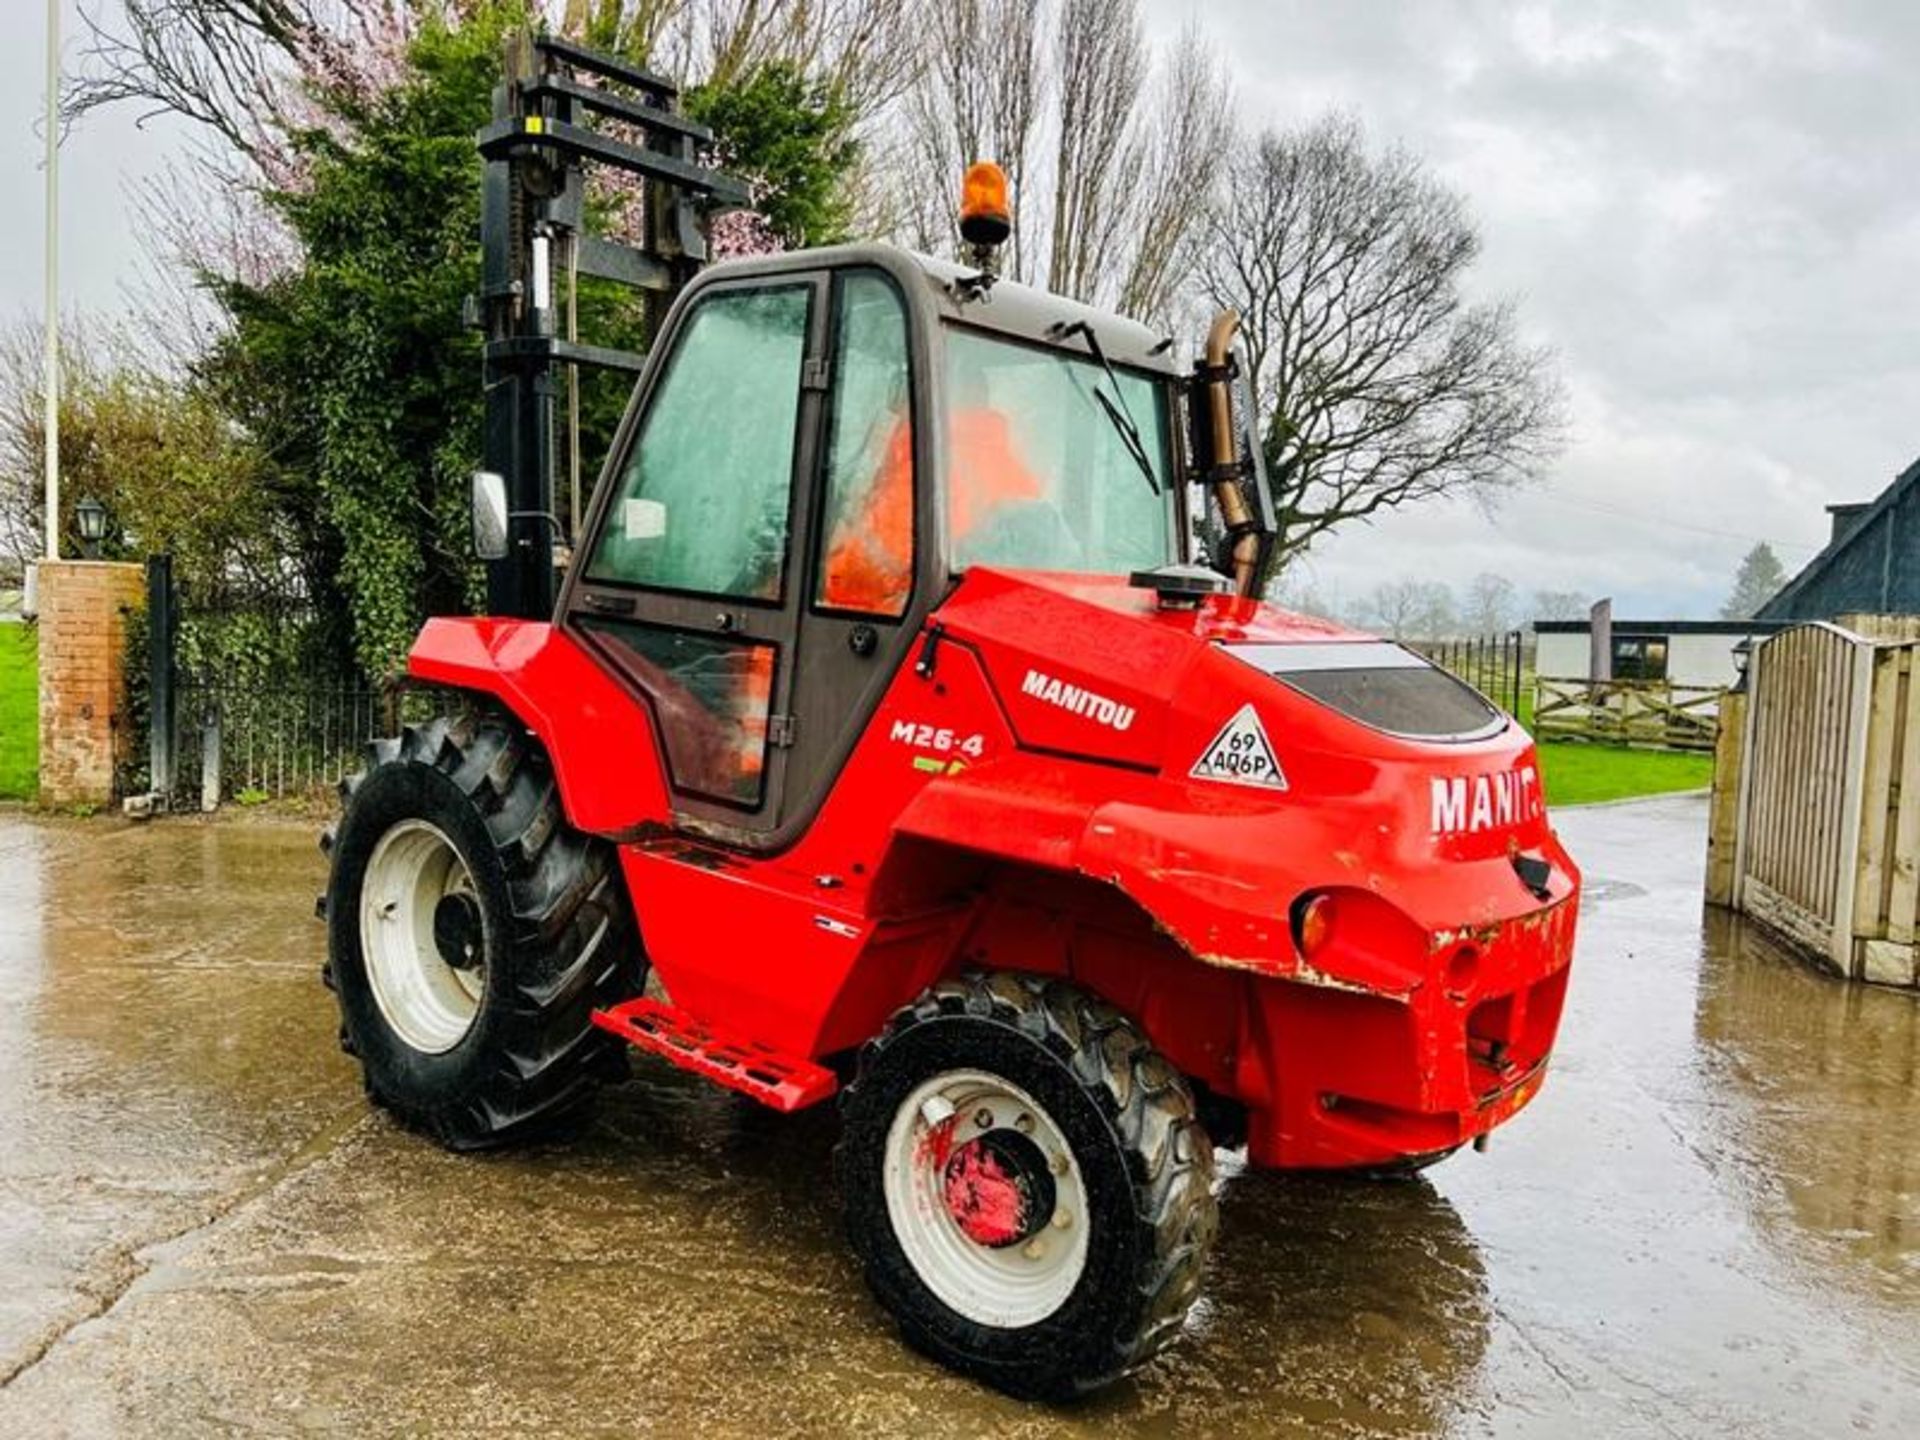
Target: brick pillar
pixel 83 692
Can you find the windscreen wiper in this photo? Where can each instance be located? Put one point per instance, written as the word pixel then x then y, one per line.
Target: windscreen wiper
pixel 1114 405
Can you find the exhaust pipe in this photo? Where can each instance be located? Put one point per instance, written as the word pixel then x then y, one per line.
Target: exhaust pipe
pixel 1242 529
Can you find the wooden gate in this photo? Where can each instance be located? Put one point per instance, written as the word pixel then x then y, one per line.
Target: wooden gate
pixel 1819 795
pixel 1648 713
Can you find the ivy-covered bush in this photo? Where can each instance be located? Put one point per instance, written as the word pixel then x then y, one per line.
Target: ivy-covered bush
pixel 352 370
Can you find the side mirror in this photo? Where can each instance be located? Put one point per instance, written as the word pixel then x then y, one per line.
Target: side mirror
pixel 489 515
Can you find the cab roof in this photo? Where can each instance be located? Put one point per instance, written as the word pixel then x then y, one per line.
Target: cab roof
pixel 1021 312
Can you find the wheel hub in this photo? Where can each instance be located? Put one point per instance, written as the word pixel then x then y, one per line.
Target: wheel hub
pixel 998 1189
pixel 986 1198
pixel 422 936
pixel 456 929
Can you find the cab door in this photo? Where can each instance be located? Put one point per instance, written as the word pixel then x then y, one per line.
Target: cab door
pixel 690 589
pixel 756 566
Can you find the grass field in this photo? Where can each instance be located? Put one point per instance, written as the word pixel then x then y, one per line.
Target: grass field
pixel 19 713
pixel 1579 774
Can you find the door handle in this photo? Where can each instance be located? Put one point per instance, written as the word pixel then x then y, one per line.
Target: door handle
pixel 609 604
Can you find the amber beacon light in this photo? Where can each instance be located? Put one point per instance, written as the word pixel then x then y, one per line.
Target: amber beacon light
pixel 985 220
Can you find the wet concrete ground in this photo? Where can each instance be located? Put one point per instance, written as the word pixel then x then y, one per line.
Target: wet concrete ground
pixel 1709 1223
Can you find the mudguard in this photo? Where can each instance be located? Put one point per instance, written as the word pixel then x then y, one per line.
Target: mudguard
pixel 1220 883
pixel 606 759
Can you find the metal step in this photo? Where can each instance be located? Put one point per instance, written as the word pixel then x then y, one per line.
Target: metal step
pixel 781 1082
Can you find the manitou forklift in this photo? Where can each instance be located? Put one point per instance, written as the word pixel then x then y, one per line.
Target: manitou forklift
pixel 888 739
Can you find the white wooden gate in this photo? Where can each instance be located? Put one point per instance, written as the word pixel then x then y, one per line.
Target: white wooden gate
pixel 1827 830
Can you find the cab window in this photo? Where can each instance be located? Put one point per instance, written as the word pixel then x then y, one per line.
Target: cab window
pixel 867 565
pixel 702 504
pixel 713 694
pixel 1038 475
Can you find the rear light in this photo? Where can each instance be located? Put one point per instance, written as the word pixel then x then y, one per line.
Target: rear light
pixel 1353 936
pixel 1312 923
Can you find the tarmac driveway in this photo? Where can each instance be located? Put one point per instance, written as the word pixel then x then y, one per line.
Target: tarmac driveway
pixel 1708 1223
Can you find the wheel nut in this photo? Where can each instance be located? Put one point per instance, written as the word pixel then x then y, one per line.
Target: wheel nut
pixel 1061 1220
pixel 1034 1249
pixel 983 1117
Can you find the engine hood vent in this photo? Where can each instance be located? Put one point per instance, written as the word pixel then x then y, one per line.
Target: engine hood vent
pixel 1382 685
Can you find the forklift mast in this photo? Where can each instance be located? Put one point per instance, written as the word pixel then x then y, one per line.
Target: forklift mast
pixel 560 108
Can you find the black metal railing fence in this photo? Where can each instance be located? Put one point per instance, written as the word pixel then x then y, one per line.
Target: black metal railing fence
pixel 289 739
pixel 1495 664
pixel 250 699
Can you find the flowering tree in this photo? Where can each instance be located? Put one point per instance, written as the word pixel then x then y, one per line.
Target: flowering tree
pixel 258 73
pixel 333 223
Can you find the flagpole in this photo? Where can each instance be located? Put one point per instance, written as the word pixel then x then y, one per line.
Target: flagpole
pixel 51 386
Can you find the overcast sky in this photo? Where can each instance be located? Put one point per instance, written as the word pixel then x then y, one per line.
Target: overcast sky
pixel 98 254
pixel 1711 211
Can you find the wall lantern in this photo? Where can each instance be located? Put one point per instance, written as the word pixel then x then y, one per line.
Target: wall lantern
pixel 92 518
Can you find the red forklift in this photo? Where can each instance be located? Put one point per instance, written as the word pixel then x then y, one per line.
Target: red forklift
pixel 889 737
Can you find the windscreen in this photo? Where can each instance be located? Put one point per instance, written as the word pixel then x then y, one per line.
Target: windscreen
pixel 1039 475
pixel 1380 685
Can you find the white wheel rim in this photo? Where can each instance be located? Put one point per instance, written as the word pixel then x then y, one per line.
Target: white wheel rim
pixel 428 1003
pixel 1007 1287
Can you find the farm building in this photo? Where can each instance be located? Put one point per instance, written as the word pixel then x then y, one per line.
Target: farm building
pixel 1680 652
pixel 1871 564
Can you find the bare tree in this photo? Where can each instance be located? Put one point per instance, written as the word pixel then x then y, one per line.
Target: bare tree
pixel 1192 110
pixel 245 73
pixel 1435 617
pixel 1101 63
pixel 1559 605
pixel 981 96
pixel 1489 604
pixel 869 51
pixel 1379 383
pixel 241 69
pixel 1301 592
pixel 1413 610
pixel 219 63
pixel 23 432
pixel 1109 154
pixel 1392 606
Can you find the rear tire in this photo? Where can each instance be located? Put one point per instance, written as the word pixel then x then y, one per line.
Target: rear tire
pixel 471 935
pixel 1026 1184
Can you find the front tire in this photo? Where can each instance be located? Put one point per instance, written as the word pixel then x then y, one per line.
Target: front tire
pixel 1026 1184
pixel 471 935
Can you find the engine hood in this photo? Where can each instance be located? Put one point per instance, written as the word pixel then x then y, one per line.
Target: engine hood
pixel 1090 666
pixel 1178 700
